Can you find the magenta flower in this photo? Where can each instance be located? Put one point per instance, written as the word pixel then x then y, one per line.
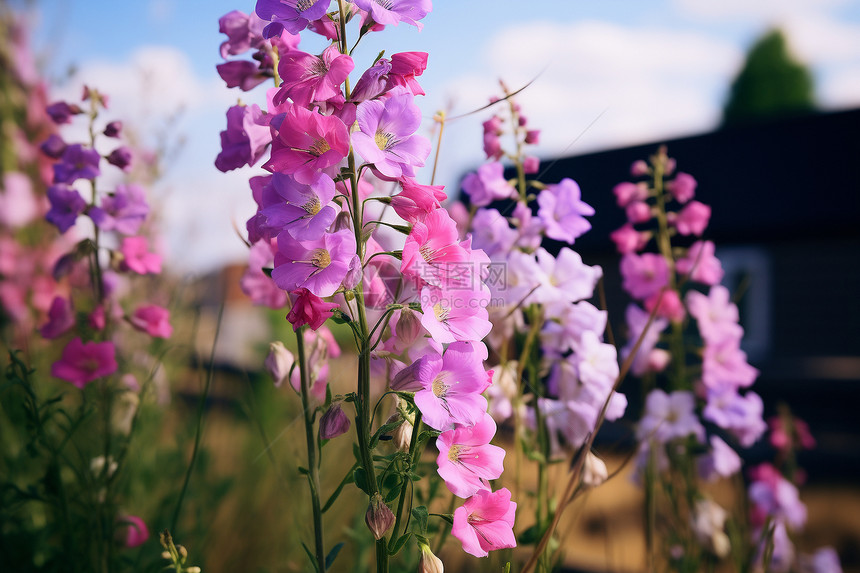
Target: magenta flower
pixel 452 314
pixel 626 193
pixel 563 212
pixel 432 249
pixel 724 364
pixel 260 287
pixel 153 320
pixel 123 211
pixel 82 363
pixel 701 264
pixel 290 15
pixel 467 459
pixel 644 275
pixel 636 321
pixel 334 422
pixel 307 143
pixel 404 67
pixel 638 212
pixel 61 112
pixel 242 74
pixel 66 205
pixel 488 184
pixel 319 265
pixel 246 138
pixel 392 12
pixel 61 318
pixel 307 78
pixel 373 82
pixel 717 316
pixel 137 532
pixel 693 218
pixel 485 522
pixel 137 258
pixel 77 162
pixel 452 386
pixel 18 204
pixel 387 138
pixel 629 240
pixel 309 309
pixel 304 211
pixel 243 32
pixel 416 201
pixel 682 188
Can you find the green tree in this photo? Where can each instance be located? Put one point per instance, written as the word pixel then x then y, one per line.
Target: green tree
pixel 770 84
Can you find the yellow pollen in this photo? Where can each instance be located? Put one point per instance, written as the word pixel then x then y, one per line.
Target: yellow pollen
pixel 426 252
pixel 383 140
pixel 441 312
pixel 320 258
pixel 454 454
pixel 319 147
pixel 440 389
pixel 313 206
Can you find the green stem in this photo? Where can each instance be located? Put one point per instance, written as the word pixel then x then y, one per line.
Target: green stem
pixel 313 466
pixel 414 455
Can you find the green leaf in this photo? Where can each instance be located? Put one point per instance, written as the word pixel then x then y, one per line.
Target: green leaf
pixel 394 493
pixel 340 317
pixel 311 557
pixel 530 535
pixel 420 516
pixel 384 429
pixel 303 471
pixel 360 478
pixel 394 548
pixel 332 555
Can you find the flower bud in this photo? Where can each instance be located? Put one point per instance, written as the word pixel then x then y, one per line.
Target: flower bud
pixel 594 471
pixel 120 157
pixel 379 517
pixel 639 168
pixel 407 328
pixel 113 129
pixel 334 422
pixel 279 362
pixel 192 570
pixel 429 563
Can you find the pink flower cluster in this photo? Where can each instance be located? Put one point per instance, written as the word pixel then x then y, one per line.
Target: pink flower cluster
pixel 318 228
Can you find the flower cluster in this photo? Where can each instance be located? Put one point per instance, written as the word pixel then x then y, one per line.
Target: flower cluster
pixel 349 232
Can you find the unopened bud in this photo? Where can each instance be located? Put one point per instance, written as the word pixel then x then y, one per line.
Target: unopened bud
pixel 379 517
pixel 407 327
pixel 192 569
pixel 166 555
pixel 334 422
pixel 594 471
pixel 429 563
pixel 279 362
pixel 183 553
pixel 401 436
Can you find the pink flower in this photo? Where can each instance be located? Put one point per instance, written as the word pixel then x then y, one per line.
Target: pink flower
pixel 693 218
pixel 452 314
pixel 308 78
pixel 246 138
pixel 137 532
pixel 153 320
pixel 309 309
pixel 416 201
pixel 404 67
pixel 260 287
pixel 644 275
pixel 452 385
pixel 724 364
pixel 701 264
pixel 334 422
pixel 393 12
pixel 18 205
pixel 387 136
pixel 485 522
pixel 627 192
pixel 670 416
pixel 319 266
pixel 432 248
pixel 716 315
pixel 683 187
pixel 82 363
pixel 136 256
pixel 638 212
pixel 670 307
pixel 61 318
pixel 307 143
pixel 488 184
pixel 629 240
pixel 467 459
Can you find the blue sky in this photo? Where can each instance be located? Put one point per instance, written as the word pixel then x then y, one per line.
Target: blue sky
pixel 645 70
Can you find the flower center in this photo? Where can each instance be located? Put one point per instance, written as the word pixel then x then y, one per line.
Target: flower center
pixel 426 253
pixel 384 3
pixel 318 68
pixel 441 312
pixel 320 258
pixel 383 140
pixel 302 5
pixel 319 147
pixel 440 389
pixel 313 206
pixel 454 454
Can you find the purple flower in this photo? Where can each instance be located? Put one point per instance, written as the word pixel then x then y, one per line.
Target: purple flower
pixel 113 129
pixel 245 139
pixel 739 415
pixel 61 318
pixel 123 211
pixel 242 74
pixel 491 232
pixel 644 275
pixel 396 11
pixel 61 112
pixel 721 461
pixel 372 82
pixel 305 211
pixel 636 321
pixel 120 157
pixel 319 265
pixel 54 146
pixel 66 205
pixel 290 15
pixel 387 138
pixel 563 212
pixel 255 283
pixel 669 416
pixel 488 184
pixel 77 163
pixel 334 422
pixel 243 32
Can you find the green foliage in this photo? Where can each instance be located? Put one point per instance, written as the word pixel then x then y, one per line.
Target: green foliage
pixel 770 84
